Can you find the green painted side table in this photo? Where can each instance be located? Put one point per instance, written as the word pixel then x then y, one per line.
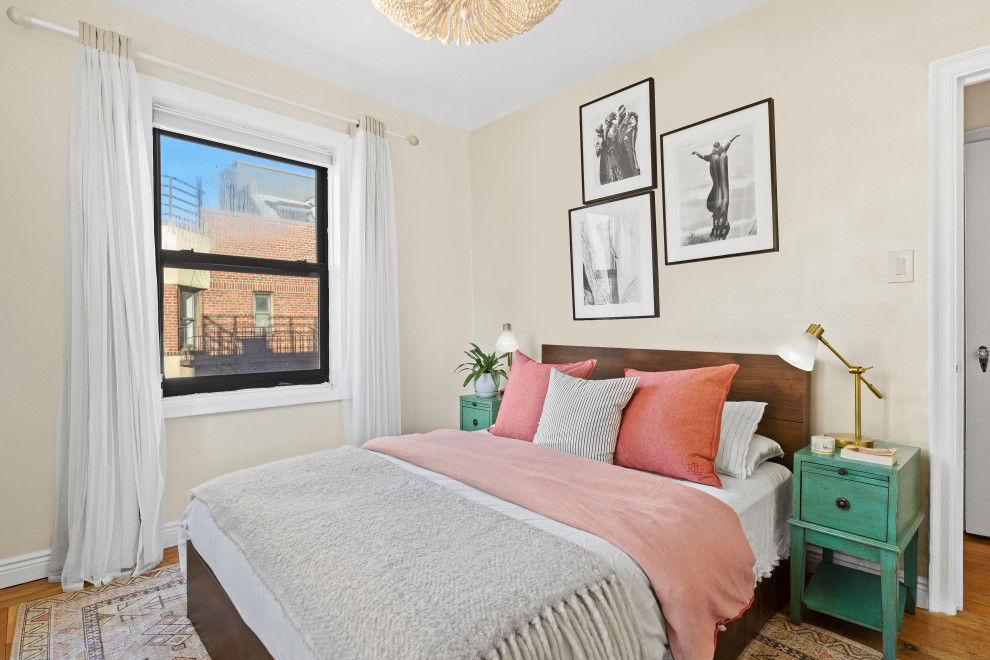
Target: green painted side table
pixel 866 510
pixel 478 413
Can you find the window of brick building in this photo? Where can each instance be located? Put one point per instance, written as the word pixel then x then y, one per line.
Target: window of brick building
pixel 243 270
pixel 262 312
pixel 188 318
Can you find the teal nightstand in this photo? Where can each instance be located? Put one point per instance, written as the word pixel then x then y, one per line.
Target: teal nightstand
pixel 478 413
pixel 862 509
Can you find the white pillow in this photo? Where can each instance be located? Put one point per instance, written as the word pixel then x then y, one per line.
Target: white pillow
pixel 582 417
pixel 761 450
pixel 739 422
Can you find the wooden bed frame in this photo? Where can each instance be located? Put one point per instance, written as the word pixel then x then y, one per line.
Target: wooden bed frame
pixel 760 378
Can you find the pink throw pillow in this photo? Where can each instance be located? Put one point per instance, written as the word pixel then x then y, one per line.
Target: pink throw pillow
pixel 672 424
pixel 522 404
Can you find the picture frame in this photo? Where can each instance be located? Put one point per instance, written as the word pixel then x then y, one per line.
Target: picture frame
pixel 618 143
pixel 614 259
pixel 716 205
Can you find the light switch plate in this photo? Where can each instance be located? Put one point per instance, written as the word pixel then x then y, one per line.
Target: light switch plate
pixel 900 266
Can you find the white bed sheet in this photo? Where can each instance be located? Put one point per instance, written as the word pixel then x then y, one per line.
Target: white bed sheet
pixel 762 502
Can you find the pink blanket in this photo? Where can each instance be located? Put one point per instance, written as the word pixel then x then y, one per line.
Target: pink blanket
pixel 688 543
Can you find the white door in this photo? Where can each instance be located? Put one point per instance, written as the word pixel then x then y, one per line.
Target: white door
pixel 977 335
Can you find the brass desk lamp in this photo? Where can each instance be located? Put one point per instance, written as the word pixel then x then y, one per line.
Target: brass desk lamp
pixel 800 352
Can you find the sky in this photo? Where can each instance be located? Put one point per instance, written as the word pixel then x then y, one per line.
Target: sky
pixel 189 161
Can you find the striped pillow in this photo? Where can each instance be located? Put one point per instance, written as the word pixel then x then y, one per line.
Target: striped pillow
pixel 582 417
pixel 739 422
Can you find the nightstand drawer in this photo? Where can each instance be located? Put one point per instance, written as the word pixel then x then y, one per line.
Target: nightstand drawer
pixel 475 419
pixel 845 472
pixel 475 403
pixel 846 503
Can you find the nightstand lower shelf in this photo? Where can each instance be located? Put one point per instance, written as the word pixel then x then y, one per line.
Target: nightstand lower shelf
pixel 831 586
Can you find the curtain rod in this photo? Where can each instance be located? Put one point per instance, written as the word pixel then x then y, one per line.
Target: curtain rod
pixel 18 17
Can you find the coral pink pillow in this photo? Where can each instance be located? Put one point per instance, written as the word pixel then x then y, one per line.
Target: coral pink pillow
pixel 522 405
pixel 672 424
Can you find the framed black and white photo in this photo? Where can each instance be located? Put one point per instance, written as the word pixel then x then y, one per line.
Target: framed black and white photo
pixel 720 186
pixel 618 144
pixel 614 259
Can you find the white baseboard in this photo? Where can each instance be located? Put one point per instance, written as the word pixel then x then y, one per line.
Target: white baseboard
pixel 34 565
pixel 24 568
pixel 171 533
pixel 867 566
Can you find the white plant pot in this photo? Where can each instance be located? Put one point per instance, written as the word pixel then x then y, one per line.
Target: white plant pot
pixel 486 386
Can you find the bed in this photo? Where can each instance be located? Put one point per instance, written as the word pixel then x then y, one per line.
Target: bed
pixel 233 611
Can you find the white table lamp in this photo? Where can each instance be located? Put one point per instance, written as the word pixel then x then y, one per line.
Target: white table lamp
pixel 506 342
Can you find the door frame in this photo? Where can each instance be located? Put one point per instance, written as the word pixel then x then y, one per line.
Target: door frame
pixel 946 376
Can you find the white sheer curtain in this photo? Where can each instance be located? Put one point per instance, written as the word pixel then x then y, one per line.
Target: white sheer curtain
pixel 110 447
pixel 371 308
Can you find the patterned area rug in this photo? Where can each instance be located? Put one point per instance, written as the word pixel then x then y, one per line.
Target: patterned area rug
pixel 781 640
pixel 144 618
pixel 139 618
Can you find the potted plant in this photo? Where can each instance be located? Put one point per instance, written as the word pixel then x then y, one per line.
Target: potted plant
pixel 484 370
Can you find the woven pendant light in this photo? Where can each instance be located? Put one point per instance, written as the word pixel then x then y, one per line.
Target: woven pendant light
pixel 471 20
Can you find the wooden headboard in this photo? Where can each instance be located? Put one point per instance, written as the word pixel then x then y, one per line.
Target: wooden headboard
pixel 786 389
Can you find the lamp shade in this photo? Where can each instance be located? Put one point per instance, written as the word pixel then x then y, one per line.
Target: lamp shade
pixel 506 342
pixel 800 351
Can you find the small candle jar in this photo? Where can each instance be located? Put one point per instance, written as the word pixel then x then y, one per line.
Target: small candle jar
pixel 822 444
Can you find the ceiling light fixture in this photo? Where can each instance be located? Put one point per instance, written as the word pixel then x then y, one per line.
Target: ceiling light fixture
pixel 471 20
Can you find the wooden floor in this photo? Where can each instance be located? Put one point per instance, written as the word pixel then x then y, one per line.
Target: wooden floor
pixel 11 597
pixel 925 635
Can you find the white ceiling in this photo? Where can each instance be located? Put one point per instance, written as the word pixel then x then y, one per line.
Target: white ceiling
pixel 350 44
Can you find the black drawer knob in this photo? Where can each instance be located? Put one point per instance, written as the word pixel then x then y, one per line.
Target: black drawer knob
pixel 842 503
pixel 475 422
pixel 842 471
pixel 474 404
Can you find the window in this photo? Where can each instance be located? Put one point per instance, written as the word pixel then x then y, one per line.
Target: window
pixel 262 313
pixel 242 256
pixel 188 318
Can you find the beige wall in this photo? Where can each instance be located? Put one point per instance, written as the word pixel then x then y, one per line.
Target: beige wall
pixel 432 204
pixel 849 81
pixel 976 110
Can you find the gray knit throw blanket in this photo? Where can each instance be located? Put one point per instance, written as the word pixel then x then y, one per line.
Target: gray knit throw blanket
pixel 371 561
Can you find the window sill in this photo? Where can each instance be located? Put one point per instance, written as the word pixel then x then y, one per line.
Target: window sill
pixel 190 405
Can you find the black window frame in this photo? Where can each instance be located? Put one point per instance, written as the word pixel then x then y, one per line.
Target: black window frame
pixel 190 259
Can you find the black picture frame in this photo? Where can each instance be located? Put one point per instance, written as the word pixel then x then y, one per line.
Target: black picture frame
pixel 633 279
pixel 733 232
pixel 618 161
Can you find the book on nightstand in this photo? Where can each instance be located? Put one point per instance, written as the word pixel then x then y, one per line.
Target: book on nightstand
pixel 869 455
